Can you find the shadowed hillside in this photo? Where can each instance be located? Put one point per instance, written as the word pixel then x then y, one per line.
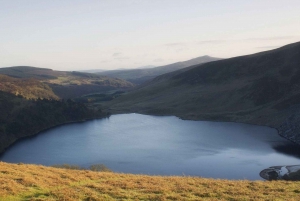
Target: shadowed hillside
pixel 262 88
pixel 139 76
pixel 63 84
pixel 20 117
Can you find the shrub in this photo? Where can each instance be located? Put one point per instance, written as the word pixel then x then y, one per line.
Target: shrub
pixel 68 166
pixel 100 168
pixel 95 168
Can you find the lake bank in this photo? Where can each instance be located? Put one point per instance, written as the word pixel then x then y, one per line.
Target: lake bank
pixel 284 121
pixel 8 141
pixel 159 145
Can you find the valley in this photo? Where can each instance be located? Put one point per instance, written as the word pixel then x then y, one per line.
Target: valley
pixel 30 89
pixel 259 89
pixel 36 99
pixel 142 75
pixel 150 100
pixel 63 84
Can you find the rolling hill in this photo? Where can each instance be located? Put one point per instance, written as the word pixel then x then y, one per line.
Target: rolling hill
pixel 29 88
pixel 141 75
pixel 262 88
pixel 102 70
pixel 57 84
pixel 36 182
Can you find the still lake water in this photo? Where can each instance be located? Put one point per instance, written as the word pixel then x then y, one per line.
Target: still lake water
pixel 135 143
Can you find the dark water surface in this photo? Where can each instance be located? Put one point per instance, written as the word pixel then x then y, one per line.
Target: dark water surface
pixel 134 143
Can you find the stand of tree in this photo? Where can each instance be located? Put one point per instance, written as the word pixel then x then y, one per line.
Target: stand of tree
pixel 20 117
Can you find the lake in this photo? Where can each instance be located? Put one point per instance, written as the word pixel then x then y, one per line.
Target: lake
pixel 155 145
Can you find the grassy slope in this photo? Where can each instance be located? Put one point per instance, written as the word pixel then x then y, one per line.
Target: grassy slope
pixel 66 84
pixel 32 182
pixel 258 89
pixel 29 72
pixel 27 87
pixel 139 76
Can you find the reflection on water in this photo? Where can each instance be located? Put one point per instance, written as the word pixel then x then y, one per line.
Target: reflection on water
pixel 288 149
pixel 134 143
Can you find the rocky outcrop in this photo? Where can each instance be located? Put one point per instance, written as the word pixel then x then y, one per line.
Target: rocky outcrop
pixel 290 128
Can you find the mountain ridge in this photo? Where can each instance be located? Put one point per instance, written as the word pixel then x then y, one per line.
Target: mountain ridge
pixel 139 76
pixel 261 88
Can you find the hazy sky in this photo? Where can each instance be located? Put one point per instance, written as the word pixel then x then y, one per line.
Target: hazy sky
pixel 110 34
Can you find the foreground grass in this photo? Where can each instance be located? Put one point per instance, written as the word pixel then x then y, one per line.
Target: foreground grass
pixel 32 182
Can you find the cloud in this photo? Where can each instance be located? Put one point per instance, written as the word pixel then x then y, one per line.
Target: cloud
pixel 187 44
pixel 211 42
pixel 181 49
pixel 271 38
pixel 133 2
pixel 175 44
pixel 121 58
pixel 158 60
pixel 177 47
pixel 116 54
pixel 268 47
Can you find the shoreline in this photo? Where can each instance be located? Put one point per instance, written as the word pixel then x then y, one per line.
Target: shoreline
pixel 279 129
pixel 48 128
pixel 182 117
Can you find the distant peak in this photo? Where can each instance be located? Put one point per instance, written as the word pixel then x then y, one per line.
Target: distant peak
pixel 204 57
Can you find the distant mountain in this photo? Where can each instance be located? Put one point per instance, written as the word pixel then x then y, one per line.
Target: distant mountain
pixel 62 84
pixel 148 66
pixel 141 75
pixel 92 71
pixel 30 72
pixel 103 70
pixel 262 88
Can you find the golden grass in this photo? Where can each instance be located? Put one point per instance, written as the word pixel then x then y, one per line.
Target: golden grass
pixel 74 80
pixel 33 182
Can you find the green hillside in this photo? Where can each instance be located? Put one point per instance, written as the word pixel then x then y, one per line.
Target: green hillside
pixel 262 89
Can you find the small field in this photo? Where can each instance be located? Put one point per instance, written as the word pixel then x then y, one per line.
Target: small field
pixel 32 182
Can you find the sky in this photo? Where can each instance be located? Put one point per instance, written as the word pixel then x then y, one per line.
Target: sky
pixel 114 34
